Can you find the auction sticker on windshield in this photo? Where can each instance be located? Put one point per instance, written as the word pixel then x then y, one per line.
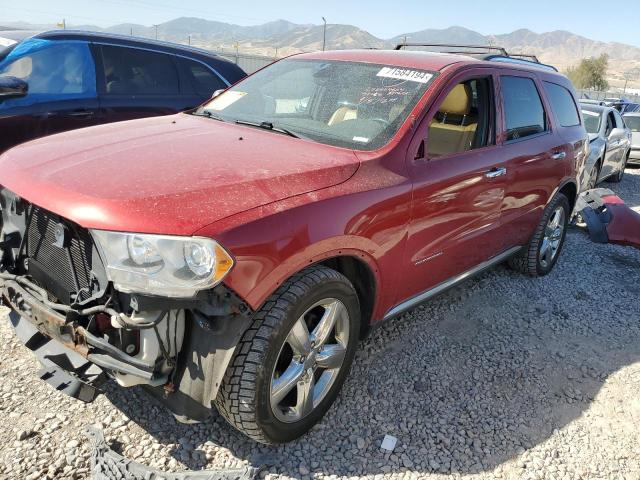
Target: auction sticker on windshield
pixel 405 74
pixel 224 100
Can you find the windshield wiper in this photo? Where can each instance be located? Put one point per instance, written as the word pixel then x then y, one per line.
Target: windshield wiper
pixel 269 126
pixel 208 114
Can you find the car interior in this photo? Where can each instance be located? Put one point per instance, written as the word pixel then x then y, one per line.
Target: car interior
pixel 462 121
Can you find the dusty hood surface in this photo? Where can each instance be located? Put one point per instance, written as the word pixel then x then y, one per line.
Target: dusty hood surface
pixel 171 175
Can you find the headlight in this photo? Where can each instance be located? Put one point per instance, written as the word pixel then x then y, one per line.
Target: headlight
pixel 161 264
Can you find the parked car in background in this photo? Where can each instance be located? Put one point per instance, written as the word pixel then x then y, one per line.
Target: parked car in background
pixel 610 142
pixel 63 80
pixel 235 255
pixel 632 120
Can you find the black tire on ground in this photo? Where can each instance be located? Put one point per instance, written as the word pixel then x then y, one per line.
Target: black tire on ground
pixel 593 182
pixel 528 260
pixel 245 393
pixel 617 178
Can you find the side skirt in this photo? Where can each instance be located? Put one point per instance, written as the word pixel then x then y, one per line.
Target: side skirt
pixel 447 284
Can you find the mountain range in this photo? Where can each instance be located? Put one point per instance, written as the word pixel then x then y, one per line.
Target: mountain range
pixel 281 37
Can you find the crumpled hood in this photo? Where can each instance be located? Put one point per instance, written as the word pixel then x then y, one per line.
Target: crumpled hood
pixel 171 175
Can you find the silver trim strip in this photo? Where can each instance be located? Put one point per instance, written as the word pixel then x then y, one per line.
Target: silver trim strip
pixel 441 287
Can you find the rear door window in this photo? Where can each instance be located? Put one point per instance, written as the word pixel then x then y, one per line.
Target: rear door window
pixel 203 81
pixel 562 104
pixel 132 71
pixel 523 110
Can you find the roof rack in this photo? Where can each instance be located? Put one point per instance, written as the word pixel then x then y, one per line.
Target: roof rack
pixel 480 48
pixel 486 52
pixel 525 56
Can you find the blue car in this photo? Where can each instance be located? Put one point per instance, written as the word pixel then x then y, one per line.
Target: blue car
pixel 62 80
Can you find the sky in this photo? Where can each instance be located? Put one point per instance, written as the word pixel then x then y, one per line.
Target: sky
pixel 382 18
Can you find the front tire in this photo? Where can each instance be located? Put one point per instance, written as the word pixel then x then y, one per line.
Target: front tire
pixel 541 254
pixel 292 361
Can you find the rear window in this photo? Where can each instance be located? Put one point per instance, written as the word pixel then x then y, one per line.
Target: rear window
pixel 523 110
pixel 562 104
pixel 131 71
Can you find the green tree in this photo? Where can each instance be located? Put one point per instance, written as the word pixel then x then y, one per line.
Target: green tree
pixel 590 73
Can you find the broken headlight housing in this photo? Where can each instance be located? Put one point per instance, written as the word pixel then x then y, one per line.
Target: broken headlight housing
pixel 161 264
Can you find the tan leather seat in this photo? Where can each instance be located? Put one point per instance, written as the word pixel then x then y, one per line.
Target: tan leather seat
pixel 342 114
pixel 452 131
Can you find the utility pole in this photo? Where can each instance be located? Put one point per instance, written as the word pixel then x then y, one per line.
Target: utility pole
pixel 324 34
pixel 189 39
pixel 630 75
pixel 131 31
pixel 156 27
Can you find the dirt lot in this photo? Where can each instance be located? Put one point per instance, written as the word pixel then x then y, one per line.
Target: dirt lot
pixel 503 377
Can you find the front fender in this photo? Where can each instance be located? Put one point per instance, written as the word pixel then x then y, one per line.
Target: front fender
pixel 273 243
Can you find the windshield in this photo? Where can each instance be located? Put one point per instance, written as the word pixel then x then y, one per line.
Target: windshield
pixel 591 121
pixel 633 122
pixel 346 104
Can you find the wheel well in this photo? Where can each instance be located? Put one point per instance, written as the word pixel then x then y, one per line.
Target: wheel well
pixel 570 191
pixel 362 279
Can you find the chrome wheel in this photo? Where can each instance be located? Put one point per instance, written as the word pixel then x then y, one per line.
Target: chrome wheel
pixel 552 237
pixel 309 360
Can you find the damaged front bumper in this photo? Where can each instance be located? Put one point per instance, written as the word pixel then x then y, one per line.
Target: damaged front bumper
pixel 77 361
pixel 53 325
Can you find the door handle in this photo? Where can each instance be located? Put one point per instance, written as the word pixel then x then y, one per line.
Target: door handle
pixel 559 155
pixel 81 113
pixel 496 172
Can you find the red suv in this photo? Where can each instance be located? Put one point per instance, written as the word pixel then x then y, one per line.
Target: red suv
pixel 234 256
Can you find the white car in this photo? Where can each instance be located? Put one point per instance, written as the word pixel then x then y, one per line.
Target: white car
pixel 633 123
pixel 610 142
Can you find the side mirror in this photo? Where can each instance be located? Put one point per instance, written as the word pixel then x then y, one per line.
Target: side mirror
pixel 12 87
pixel 617 132
pixel 217 92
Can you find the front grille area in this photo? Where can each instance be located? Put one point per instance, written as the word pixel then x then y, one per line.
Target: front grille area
pixel 60 255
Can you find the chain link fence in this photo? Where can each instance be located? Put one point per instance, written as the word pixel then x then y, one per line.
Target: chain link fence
pixel 249 63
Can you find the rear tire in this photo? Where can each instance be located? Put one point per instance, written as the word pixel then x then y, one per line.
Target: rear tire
pixel 593 178
pixel 287 369
pixel 541 254
pixel 617 178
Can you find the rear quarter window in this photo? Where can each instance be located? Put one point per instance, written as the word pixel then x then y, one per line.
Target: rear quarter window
pixel 562 104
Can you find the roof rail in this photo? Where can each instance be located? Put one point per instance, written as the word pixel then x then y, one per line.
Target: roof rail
pixel 486 52
pixel 481 48
pixel 525 56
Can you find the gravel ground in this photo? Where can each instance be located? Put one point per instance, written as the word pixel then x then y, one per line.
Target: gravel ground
pixel 502 377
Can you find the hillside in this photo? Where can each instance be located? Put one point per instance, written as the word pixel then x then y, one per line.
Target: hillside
pixel 559 48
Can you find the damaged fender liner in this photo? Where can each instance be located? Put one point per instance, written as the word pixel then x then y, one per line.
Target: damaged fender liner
pixel 207 350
